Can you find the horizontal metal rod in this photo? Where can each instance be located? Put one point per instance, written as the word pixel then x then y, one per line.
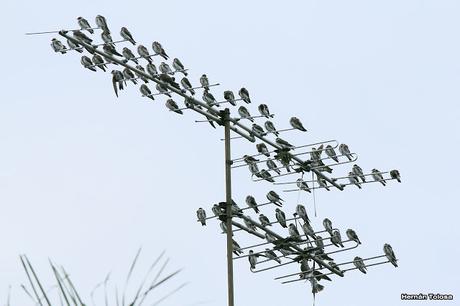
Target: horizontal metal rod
pixel 198 87
pixel 344 185
pixel 247 229
pixel 275 222
pixel 53 32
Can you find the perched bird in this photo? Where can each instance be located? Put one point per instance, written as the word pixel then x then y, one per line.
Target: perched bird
pixel 216 210
pixel 293 232
pixel 264 220
pixel 351 234
pixel 302 212
pixel 78 35
pixel 179 66
pixel 322 183
pixel 252 259
pixel 87 63
pixel 117 79
pixel 244 94
pixel 302 185
pixel 144 53
pixel 344 150
pixel 127 35
pixel 331 153
pixel 236 248
pixel 110 50
pixel 297 124
pixel 145 91
pixel 378 177
pixel 315 286
pixel 266 176
pixel 272 166
pixel 283 143
pixel 164 68
pixel 102 23
pixel 274 198
pixel 129 55
pixel 187 85
pixel 395 175
pixel 272 255
pixel 204 82
pixel 270 238
pixel 244 113
pixel 84 25
pixel 251 202
pixel 304 268
pixel 250 224
pixel 74 46
pixel 359 263
pixel 230 97
pixel 209 98
pixel 270 127
pixel 327 225
pixel 319 242
pixel 201 214
pixel 58 46
pixel 172 105
pixel 262 149
pixel 162 89
pixel 280 217
pixel 223 227
pixel 336 239
pixel 254 170
pixel 158 49
pixel 99 62
pixel 334 265
pixel 140 76
pixel 257 130
pixel 359 172
pixel 263 110
pixel 308 230
pixel 129 75
pixel 354 179
pixel 388 250
pixel 319 276
pixel 249 159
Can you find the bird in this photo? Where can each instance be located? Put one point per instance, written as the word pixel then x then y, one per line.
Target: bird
pixel 354 179
pixel 101 22
pixel 78 35
pixel 216 210
pixel 58 46
pixel 388 250
pixel 351 234
pixel 110 50
pixel 319 276
pixel 117 79
pixel 127 35
pixel 164 68
pixel 304 268
pixel 266 176
pixel 315 286
pixel 143 52
pixel 140 76
pixel 252 259
pixel 244 94
pixel 344 150
pixel 230 97
pixel 250 224
pixel 270 127
pixel 334 265
pixel 272 255
pixel 251 202
pixel 201 214
pixel 84 25
pixel 302 185
pixel 209 98
pixel 262 149
pixel 162 89
pixel 204 82
pixel 319 242
pixel 129 55
pixel 249 159
pixel 257 130
pixel 87 63
pixel 223 227
pixel 99 62
pixel 187 85
pixel 359 172
pixel 297 124
pixel 244 113
pixel 264 220
pixel 107 38
pixel 254 170
pixel 146 91
pixel 359 263
pixel 129 75
pixel 74 46
pixel 322 183
pixel 280 217
pixel 331 153
pixel 152 70
pixel 308 230
pixel 270 238
pixel 179 66
pixel 274 198
pixel 272 166
pixel 336 239
pixel 158 49
pixel 328 225
pixel 263 110
pixel 283 143
pixel 395 175
pixel 302 212
pixel 293 232
pixel 172 105
pixel 236 248
pixel 378 177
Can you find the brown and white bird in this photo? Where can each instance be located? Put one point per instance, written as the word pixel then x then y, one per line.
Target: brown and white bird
pixel 127 35
pixel 378 177
pixel 244 94
pixel 158 49
pixel 297 124
pixel 344 150
pixel 201 214
pixel 351 234
pixel 84 25
pixel 395 175
pixel 359 263
pixel 179 66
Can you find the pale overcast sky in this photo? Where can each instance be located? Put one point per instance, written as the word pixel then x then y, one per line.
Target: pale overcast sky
pixel 86 178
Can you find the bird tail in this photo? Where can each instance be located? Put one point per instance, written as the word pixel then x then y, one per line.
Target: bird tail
pixel 359 186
